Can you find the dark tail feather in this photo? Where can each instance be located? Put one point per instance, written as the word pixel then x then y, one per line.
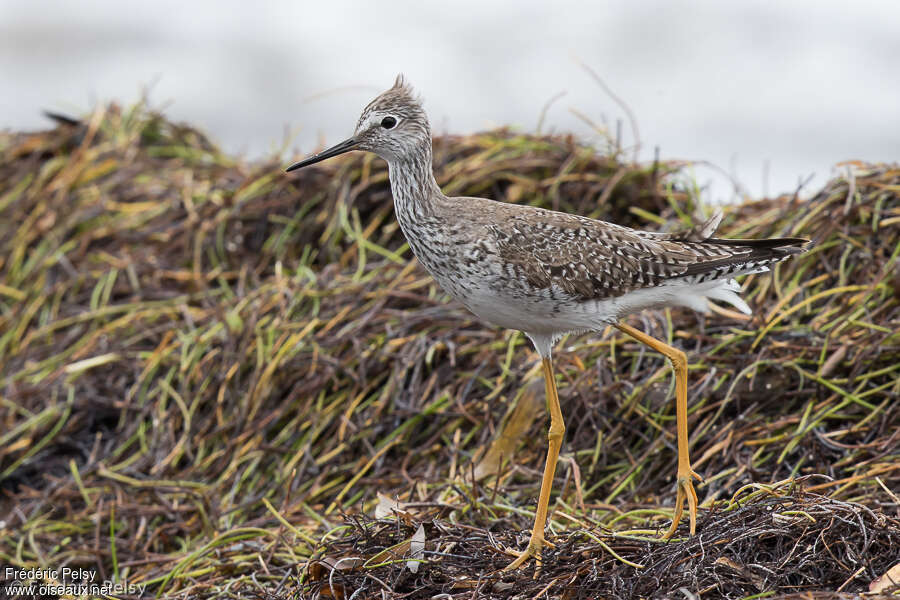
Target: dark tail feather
pixel 788 245
pixel 62 119
pixel 762 252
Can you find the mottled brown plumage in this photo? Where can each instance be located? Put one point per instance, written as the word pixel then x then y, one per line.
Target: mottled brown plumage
pixel 595 260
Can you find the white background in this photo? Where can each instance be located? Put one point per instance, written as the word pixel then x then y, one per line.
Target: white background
pixel 795 85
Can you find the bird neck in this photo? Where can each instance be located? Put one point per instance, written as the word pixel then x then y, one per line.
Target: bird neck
pixel 413 187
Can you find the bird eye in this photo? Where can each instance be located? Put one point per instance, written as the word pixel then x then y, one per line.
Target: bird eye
pixel 388 122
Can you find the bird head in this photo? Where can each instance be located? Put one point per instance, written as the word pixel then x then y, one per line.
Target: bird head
pixel 394 126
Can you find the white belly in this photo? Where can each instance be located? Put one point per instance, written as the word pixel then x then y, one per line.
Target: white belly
pixel 538 313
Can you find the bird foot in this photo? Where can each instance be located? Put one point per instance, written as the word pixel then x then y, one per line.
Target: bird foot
pixel 686 492
pixel 535 545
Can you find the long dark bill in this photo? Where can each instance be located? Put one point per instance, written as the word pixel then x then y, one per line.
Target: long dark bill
pixel 345 146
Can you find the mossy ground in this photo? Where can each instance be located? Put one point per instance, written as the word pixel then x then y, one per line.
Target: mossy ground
pixel 211 369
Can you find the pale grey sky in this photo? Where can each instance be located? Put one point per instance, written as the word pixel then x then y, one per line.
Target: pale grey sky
pixel 799 84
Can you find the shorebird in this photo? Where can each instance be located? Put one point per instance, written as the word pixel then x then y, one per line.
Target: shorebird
pixel 548 273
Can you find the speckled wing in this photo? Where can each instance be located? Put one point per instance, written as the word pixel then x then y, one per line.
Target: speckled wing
pixel 591 259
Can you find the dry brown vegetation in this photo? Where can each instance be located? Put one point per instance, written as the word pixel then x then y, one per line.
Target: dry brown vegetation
pixel 211 370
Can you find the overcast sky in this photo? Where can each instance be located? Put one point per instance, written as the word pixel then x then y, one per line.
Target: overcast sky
pixel 797 85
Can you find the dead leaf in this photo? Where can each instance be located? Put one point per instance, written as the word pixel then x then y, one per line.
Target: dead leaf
pixel 388 507
pixel 513 430
pixel 724 560
pixel 321 569
pixel 755 579
pixel 333 590
pixel 416 549
pixel 395 552
pixel 891 577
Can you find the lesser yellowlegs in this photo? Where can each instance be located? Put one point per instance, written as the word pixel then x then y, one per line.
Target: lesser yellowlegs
pixel 548 273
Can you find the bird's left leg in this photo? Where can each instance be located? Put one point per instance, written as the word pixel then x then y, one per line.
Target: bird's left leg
pixel 554 439
pixel 685 472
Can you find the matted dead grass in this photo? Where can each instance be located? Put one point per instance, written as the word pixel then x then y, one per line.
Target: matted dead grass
pixel 211 370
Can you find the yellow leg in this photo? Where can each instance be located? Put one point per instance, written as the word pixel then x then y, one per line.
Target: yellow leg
pixel 554 437
pixel 685 473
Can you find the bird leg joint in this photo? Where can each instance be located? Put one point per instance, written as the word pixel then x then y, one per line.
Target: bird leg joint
pixel 557 431
pixel 678 358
